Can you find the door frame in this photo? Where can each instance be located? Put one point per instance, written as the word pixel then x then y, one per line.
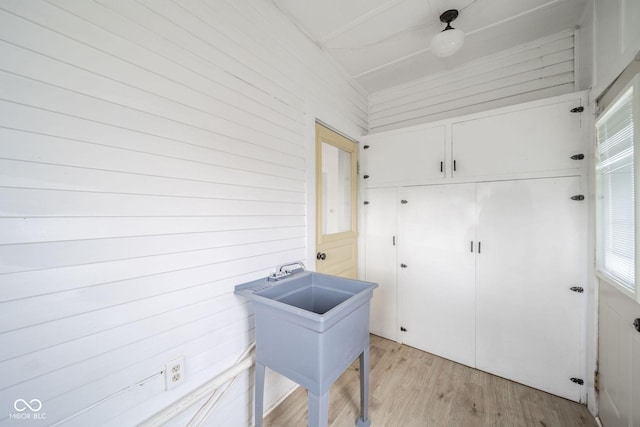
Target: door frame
pixel 340 141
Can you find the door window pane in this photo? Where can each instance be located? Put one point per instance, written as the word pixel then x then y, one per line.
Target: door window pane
pixel 336 189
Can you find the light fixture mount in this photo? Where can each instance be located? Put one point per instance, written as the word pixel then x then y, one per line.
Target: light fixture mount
pixel 448 17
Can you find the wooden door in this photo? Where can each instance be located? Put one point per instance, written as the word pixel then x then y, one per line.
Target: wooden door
pixel 380 261
pixel 529 321
pixel 436 285
pixel 336 197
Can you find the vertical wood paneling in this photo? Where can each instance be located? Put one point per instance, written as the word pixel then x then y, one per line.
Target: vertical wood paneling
pixel 534 71
pixel 153 155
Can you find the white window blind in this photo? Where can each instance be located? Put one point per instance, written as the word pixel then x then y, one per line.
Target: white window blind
pixel 616 194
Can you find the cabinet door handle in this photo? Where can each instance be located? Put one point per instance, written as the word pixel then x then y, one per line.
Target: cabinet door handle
pixel 441 166
pixel 479 247
pixel 394 240
pixel 454 165
pixel 472 246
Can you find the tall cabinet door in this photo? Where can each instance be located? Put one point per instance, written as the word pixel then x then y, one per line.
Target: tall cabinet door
pixel 528 321
pixel 436 288
pixel 380 259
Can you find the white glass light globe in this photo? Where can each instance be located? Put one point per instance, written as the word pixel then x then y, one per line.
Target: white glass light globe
pixel 447 42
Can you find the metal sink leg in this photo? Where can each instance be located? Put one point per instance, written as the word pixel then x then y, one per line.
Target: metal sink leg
pixel 259 394
pixel 319 410
pixel 363 421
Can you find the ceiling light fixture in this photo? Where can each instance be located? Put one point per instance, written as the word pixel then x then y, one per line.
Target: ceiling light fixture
pixel 450 40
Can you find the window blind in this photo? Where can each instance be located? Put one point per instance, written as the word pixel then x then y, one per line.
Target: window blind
pixel 616 195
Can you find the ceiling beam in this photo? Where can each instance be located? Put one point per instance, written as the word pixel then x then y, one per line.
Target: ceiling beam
pixel 358 21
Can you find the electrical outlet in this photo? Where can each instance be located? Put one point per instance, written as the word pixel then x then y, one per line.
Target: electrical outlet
pixel 174 373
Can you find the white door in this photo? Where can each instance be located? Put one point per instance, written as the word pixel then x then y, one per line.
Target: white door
pixel 380 259
pixel 406 157
pixel 517 143
pixel 528 319
pixel 436 286
pixel 619 359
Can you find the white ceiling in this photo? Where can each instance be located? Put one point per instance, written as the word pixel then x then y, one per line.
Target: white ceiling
pixel 383 43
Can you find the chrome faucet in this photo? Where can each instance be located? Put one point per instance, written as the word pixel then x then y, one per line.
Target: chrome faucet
pixel 281 272
pixel 299 263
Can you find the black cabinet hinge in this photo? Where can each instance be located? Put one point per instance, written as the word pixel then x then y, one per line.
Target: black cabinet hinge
pixel 403 329
pixel 578 381
pixel 579 109
pixel 577 156
pixel 578 289
pixel 577 197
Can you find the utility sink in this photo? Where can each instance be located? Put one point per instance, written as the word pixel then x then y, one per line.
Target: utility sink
pixel 310 327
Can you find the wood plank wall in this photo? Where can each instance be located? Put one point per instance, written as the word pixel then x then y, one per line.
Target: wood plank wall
pixel 153 154
pixel 534 71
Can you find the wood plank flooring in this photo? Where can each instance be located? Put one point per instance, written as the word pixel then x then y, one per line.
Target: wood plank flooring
pixel 412 388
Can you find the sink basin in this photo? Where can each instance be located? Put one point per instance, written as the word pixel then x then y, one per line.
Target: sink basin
pixel 310 327
pixel 316 300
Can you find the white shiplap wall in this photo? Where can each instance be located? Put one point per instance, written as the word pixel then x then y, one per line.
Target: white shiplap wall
pixel 153 154
pixel 533 71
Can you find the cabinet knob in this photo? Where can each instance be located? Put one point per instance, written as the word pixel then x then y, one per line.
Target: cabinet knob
pixel 636 324
pixel 321 256
pixel 403 265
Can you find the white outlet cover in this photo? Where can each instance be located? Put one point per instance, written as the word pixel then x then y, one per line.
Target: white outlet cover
pixel 174 373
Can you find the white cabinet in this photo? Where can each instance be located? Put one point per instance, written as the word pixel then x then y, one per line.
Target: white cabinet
pixel 536 140
pixel 528 320
pixel 436 279
pixel 484 275
pixel 405 157
pixel 380 259
pixel 487 253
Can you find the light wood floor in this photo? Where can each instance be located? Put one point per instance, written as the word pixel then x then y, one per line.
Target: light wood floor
pixel 412 388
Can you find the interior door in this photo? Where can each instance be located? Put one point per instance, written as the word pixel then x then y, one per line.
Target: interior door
pixel 528 319
pixel 381 259
pixel 436 284
pixel 336 195
pixel 619 358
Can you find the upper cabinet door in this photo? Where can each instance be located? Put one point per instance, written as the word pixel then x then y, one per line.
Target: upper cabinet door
pixel 528 142
pixel 407 157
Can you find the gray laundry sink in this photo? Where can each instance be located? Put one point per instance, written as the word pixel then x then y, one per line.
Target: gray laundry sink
pixel 310 327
